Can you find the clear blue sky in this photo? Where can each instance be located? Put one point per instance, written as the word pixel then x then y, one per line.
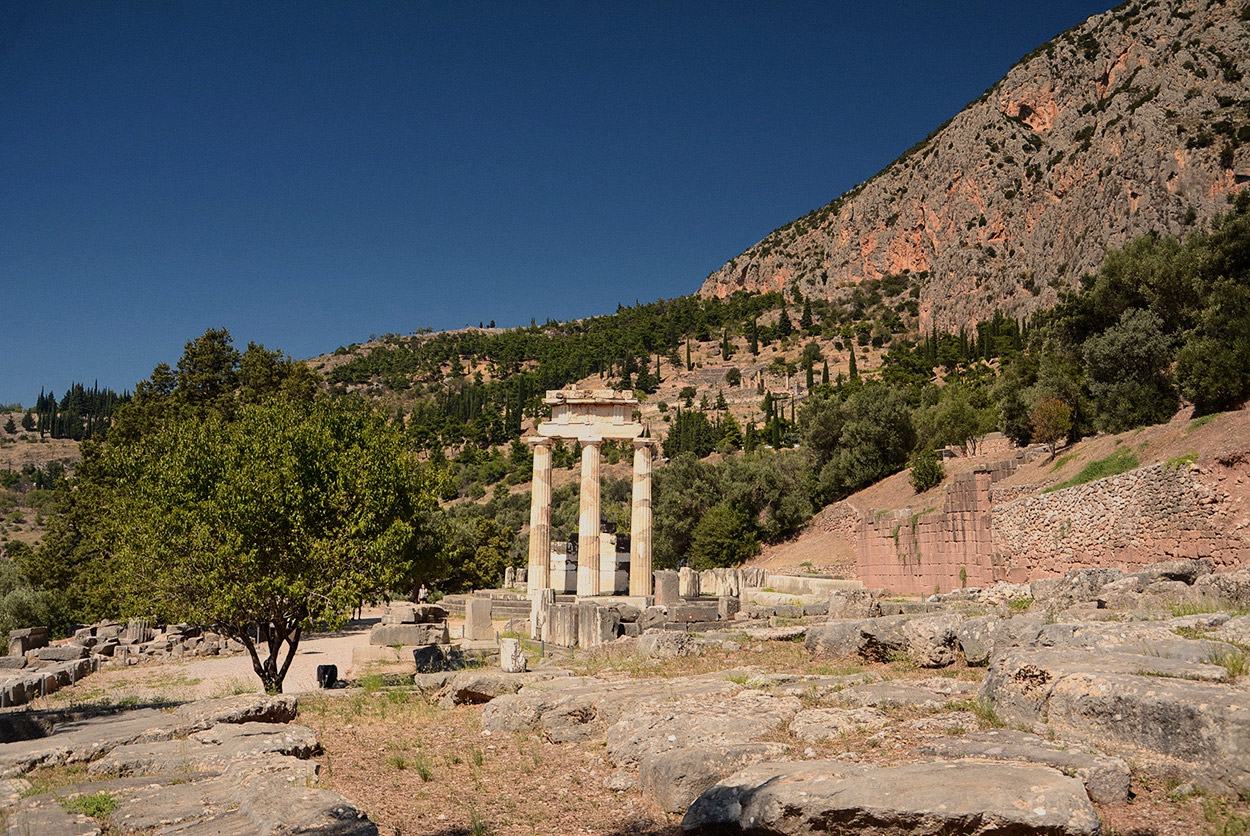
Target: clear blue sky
pixel 309 173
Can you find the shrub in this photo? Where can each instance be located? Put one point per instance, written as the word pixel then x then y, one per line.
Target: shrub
pixel 927 470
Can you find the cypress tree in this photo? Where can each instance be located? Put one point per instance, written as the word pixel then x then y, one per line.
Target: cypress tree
pixel 784 327
pixel 854 367
pixel 824 373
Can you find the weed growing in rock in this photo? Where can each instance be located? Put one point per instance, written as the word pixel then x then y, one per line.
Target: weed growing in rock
pixel 97 805
pixel 1233 660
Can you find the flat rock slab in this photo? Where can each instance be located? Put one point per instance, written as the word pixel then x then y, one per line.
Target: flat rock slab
pixel 475 687
pixel 1156 640
pixel 1118 703
pixel 89 739
pixel 207 751
pixel 810 687
pixel 1106 779
pixel 573 709
pixel 831 797
pixel 697 721
pixel 674 779
pixel 817 724
pixel 899 694
pixel 230 804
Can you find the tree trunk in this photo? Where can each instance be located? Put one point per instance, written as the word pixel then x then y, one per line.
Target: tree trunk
pixel 277 634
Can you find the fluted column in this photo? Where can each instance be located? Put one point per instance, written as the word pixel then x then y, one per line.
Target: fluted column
pixel 588 522
pixel 540 517
pixel 640 521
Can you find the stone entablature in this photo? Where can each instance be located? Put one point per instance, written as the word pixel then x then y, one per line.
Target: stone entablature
pixel 590 414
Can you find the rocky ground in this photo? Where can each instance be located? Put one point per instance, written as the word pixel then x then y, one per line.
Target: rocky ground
pixel 995 712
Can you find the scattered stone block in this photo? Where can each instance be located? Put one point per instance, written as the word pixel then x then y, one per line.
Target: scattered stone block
pixel 477 622
pixel 429 659
pixel 561 626
pixel 409 634
pixel 511 656
pixel 687 583
pixel 690 612
pixel 664 644
pixel 667 588
pixel 596 625
pixel 652 617
pixel 932 640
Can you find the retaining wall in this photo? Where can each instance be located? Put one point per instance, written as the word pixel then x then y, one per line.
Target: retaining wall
pixel 981 535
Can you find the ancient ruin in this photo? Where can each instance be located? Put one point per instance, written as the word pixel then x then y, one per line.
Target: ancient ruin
pixel 590 417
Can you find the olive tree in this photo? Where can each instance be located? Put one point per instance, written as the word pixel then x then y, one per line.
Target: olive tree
pixel 285 517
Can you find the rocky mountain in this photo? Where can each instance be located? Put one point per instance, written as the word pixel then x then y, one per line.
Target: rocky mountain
pixel 1136 121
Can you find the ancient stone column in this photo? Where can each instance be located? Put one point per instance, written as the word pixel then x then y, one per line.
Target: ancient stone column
pixel 540 517
pixel 640 521
pixel 588 522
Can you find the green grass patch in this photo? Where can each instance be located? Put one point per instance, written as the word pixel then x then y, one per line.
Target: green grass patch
pixel 1181 461
pixel 1205 606
pixel 1203 421
pixel 984 711
pixel 96 806
pixel 1019 604
pixel 1061 461
pixel 1120 461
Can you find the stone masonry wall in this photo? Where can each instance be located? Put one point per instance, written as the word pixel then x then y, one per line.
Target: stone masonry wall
pixel 944 549
pixel 1126 521
pixel 982 535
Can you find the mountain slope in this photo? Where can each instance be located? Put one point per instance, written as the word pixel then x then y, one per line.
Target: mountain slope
pixel 1136 121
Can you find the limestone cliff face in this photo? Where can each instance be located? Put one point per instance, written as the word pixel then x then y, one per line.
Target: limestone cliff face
pixel 1136 121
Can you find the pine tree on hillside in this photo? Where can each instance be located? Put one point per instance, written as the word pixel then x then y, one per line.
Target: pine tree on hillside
pixel 10 426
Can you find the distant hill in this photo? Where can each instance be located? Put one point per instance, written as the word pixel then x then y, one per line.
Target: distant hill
pixel 1136 121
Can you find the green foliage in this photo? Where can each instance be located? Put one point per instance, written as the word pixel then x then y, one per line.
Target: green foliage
pixel 212 379
pixel 856 439
pixel 1126 368
pixel 767 488
pixel 1181 461
pixel 962 416
pixel 1121 461
pixel 722 537
pixel 1050 421
pixel 927 470
pixel 288 517
pixel 96 805
pixel 1157 301
pixel 690 432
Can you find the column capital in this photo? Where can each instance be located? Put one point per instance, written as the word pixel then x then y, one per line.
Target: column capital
pixel 590 442
pixel 645 442
pixel 539 441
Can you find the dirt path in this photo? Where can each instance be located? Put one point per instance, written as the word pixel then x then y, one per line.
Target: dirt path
pixel 202 678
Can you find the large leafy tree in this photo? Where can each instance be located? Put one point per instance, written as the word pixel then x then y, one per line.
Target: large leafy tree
pixel 266 525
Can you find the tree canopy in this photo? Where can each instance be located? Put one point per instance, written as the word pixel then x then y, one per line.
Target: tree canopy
pixel 284 518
